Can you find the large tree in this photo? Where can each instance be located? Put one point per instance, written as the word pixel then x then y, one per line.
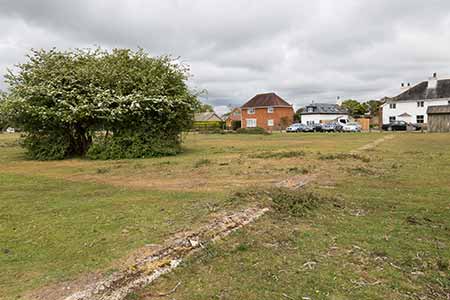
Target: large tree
pixel 298 114
pixel 118 104
pixel 354 107
pixel 3 119
pixel 373 107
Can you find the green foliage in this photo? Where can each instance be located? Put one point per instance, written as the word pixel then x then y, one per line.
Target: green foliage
pixel 208 126
pixel 3 119
pixel 256 130
pixel 355 108
pixel 62 100
pixel 203 107
pixel 288 154
pixel 373 107
pixel 293 202
pixel 343 156
pixel 134 145
pixel 50 146
pixel 298 116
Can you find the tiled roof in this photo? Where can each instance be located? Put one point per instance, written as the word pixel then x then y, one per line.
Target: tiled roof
pixel 266 100
pixel 324 109
pixel 206 116
pixel 421 91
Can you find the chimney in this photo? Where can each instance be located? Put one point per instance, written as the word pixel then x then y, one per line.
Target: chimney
pixel 338 101
pixel 403 87
pixel 432 81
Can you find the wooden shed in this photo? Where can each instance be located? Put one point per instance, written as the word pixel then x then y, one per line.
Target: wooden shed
pixel 439 118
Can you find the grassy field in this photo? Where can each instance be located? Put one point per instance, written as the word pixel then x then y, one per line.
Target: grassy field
pixel 386 237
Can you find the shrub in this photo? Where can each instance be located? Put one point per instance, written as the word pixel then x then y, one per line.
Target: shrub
pixel 63 99
pixel 288 154
pixel 134 145
pixel 295 203
pixel 256 130
pixel 342 156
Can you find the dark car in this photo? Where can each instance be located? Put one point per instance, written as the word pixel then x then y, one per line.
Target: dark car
pixel 316 127
pixel 400 126
pixel 331 127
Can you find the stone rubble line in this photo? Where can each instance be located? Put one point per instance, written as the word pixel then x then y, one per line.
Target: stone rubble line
pixel 148 269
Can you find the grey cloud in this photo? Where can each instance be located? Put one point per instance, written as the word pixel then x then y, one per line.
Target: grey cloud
pixel 303 50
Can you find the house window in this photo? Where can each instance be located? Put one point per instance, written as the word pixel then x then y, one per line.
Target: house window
pixel 270 109
pixel 420 103
pixel 237 113
pixel 448 102
pixel 251 123
pixel 391 119
pixel 309 122
pixel 251 111
pixel 310 109
pixel 420 119
pixel 269 122
pixel 393 105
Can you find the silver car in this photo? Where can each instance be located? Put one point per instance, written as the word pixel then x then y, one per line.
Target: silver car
pixel 351 127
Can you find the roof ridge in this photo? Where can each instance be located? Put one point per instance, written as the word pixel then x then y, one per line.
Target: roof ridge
pixel 265 100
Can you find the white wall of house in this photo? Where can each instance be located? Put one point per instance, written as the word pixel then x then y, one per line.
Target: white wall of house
pixel 410 107
pixel 317 118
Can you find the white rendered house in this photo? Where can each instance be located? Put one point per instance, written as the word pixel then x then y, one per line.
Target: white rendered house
pixel 316 113
pixel 412 103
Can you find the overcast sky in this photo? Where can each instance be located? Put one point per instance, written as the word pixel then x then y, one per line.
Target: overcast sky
pixel 303 50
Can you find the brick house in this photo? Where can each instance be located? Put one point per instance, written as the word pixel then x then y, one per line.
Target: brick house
pixel 268 111
pixel 233 120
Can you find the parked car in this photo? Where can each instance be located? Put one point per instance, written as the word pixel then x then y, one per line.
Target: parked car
pixel 317 127
pixel 400 126
pixel 331 127
pixel 298 127
pixel 10 130
pixel 351 127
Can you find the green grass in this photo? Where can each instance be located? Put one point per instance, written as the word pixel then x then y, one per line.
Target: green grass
pixel 385 237
pixel 52 230
pixel 365 247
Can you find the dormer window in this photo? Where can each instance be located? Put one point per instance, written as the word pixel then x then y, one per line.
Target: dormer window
pixel 270 110
pixel 251 111
pixel 310 109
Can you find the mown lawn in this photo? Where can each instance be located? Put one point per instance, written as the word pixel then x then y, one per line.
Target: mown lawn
pixel 387 238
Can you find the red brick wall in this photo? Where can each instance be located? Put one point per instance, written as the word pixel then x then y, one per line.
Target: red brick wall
pixel 262 116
